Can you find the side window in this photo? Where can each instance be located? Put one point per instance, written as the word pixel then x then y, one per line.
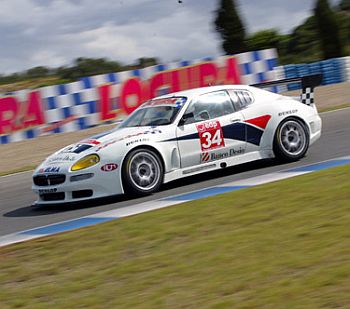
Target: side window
pixel 241 98
pixel 210 105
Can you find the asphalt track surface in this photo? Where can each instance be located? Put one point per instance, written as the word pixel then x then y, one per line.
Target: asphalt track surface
pixel 16 197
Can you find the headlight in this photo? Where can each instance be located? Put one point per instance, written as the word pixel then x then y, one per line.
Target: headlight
pixel 86 162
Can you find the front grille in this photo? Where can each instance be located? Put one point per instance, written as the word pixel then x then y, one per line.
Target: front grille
pixel 49 180
pixel 49 197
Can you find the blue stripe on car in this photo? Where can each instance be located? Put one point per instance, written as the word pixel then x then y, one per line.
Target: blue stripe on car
pixel 235 131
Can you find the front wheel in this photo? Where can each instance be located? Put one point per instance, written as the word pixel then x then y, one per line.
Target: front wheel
pixel 291 140
pixel 142 172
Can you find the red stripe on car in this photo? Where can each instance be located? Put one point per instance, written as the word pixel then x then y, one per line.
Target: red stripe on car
pixel 260 122
pixel 91 142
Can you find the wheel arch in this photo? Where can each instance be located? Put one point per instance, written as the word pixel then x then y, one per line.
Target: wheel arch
pixel 296 117
pixel 149 147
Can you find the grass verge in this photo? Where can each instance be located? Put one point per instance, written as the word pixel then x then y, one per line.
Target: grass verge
pixel 280 245
pixel 333 108
pixel 18 170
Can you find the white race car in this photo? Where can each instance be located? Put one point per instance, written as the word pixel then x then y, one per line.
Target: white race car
pixel 182 134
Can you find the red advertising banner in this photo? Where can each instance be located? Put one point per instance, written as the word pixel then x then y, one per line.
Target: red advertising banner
pixel 98 99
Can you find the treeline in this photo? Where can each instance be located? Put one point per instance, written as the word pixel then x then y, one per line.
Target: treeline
pixel 305 43
pixel 81 67
pixel 323 35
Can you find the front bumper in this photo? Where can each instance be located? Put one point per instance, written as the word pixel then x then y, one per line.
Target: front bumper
pixel 315 128
pixel 99 184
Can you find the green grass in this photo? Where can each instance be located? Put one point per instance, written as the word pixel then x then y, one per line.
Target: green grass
pixel 281 245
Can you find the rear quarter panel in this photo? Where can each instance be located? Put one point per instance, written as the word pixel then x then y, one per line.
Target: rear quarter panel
pixel 279 108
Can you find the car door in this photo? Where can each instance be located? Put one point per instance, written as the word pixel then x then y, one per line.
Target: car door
pixel 210 130
pixel 256 117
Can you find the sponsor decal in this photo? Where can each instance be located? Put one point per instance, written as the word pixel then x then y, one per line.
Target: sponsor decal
pixel 106 145
pixel 293 111
pixel 109 167
pixel 151 131
pixel 62 159
pixel 44 191
pixel 235 152
pixel 206 157
pixel 51 169
pixel 141 140
pixel 210 135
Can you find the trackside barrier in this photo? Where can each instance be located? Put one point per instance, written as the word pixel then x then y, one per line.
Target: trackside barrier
pixel 346 68
pixel 334 71
pixel 95 100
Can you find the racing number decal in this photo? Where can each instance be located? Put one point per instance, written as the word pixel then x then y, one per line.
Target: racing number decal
pixel 211 140
pixel 210 135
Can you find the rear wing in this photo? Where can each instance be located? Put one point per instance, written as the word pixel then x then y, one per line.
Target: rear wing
pixel 308 84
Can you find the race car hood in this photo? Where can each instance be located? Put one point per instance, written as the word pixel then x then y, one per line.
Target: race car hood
pixel 122 134
pixel 70 154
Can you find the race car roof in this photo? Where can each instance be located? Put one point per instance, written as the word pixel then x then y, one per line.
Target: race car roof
pixel 191 93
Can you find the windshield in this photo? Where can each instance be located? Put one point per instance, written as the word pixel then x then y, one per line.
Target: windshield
pixel 156 112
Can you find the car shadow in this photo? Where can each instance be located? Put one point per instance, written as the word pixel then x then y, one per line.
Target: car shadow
pixel 42 210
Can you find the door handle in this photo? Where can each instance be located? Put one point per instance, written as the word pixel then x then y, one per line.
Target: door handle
pixel 236 120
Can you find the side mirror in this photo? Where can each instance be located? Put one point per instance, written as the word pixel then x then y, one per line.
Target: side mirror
pixel 185 117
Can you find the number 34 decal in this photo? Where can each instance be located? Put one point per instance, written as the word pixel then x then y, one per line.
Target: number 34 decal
pixel 210 135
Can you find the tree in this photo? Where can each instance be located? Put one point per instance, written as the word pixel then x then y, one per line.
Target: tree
pixel 304 44
pixel 328 30
pixel 87 67
pixel 230 27
pixel 264 39
pixel 344 5
pixel 39 71
pixel 146 62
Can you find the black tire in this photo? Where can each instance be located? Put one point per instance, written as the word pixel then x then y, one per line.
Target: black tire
pixel 142 172
pixel 291 140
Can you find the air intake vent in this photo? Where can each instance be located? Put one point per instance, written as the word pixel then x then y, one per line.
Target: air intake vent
pixel 82 193
pixel 50 197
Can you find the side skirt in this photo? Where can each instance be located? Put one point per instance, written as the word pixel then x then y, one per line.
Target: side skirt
pixel 215 165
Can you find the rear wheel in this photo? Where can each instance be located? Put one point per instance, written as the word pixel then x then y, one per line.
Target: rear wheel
pixel 291 140
pixel 142 172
